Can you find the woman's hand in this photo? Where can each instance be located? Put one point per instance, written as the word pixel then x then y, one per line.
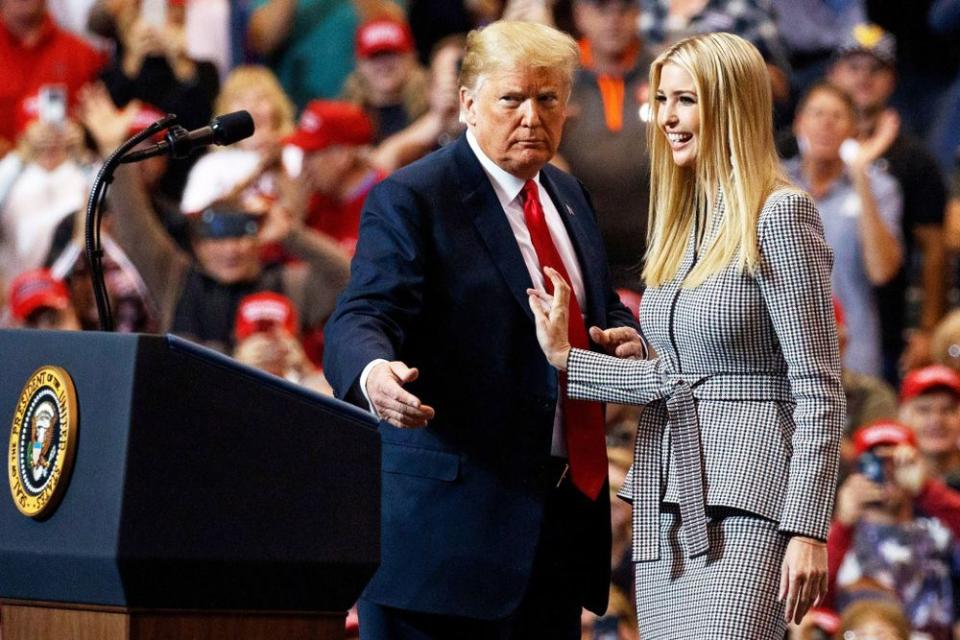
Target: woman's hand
pixel 803 576
pixel 550 315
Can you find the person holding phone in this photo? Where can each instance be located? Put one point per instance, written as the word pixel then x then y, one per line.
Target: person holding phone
pixel 737 449
pixel 897 527
pixel 152 63
pixel 36 53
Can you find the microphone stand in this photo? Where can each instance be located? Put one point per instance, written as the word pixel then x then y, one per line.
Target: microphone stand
pixel 94 250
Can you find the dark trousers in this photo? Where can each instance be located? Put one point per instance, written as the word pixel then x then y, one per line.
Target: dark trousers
pixel 552 604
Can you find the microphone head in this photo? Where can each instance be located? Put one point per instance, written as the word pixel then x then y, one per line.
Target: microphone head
pixel 231 127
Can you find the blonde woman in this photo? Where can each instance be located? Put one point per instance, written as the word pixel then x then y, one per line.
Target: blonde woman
pixel 247 171
pixel 736 456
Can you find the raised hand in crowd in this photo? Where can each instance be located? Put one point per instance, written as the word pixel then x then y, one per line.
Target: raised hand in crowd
pixel 530 10
pixel 108 125
pixel 49 145
pixel 281 354
pixel 174 41
pixel 872 148
pixel 278 222
pixel 856 494
pixel 140 40
pixel 441 122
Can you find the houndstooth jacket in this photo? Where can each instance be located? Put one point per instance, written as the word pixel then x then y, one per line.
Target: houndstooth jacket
pixel 758 353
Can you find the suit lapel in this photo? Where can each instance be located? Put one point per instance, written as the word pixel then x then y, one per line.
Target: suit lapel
pixel 579 225
pixel 491 223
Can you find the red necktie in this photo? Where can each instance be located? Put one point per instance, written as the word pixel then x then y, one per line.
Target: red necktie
pixel 583 424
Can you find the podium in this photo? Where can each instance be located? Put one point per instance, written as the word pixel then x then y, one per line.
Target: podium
pixel 206 499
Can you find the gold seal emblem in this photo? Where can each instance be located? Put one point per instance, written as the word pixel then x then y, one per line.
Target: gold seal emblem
pixel 42 441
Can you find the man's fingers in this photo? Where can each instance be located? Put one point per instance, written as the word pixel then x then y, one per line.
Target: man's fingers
pixel 399 420
pixel 396 397
pixel 392 402
pixel 404 373
pixel 401 415
pixel 633 349
pixel 598 335
pixel 561 291
pixel 538 305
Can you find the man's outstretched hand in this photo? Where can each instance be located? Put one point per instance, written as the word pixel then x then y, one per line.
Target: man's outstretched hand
pixel 391 401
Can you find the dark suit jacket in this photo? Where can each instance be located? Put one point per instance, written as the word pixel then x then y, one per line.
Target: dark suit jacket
pixel 438 282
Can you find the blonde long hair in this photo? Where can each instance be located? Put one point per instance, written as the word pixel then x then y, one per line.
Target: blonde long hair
pixel 249 77
pixel 736 157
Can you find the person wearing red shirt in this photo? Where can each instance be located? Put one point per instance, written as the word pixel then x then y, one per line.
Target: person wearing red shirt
pixel 329 144
pixel 34 52
pixel 896 526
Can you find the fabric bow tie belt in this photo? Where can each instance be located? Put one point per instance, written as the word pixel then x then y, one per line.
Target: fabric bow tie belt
pixel 679 391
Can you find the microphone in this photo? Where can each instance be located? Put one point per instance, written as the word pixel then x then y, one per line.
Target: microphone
pixel 179 143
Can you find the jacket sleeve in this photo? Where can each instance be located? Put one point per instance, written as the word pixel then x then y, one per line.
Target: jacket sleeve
pixel 384 296
pixel 794 279
pixel 597 376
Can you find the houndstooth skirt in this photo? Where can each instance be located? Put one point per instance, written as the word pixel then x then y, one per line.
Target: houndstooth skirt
pixel 730 592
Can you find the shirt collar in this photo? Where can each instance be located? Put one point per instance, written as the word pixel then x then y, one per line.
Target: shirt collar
pixel 794 168
pixel 506 185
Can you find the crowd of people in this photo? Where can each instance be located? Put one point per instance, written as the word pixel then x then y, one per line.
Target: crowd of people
pixel 246 248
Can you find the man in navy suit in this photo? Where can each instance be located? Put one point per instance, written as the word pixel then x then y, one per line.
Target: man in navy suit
pixel 495 504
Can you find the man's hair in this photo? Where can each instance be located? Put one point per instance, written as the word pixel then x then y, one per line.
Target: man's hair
pixel 508 44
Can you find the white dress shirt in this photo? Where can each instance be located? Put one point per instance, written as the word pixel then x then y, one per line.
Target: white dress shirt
pixel 508 189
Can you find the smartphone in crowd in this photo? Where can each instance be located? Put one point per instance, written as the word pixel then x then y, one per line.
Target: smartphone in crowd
pixel 52 104
pixel 871 466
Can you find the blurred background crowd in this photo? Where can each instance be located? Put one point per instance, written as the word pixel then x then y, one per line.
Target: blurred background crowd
pixel 245 248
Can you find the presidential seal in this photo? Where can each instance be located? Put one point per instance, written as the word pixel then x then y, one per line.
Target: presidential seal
pixel 42 441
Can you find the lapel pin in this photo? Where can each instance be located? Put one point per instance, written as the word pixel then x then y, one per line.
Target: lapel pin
pixel 569 208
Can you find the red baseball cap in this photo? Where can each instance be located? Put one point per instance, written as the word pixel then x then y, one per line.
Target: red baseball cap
pixel 888 432
pixel 936 376
pixel 34 290
pixel 383 36
pixel 262 312
pixel 325 123
pixel 825 619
